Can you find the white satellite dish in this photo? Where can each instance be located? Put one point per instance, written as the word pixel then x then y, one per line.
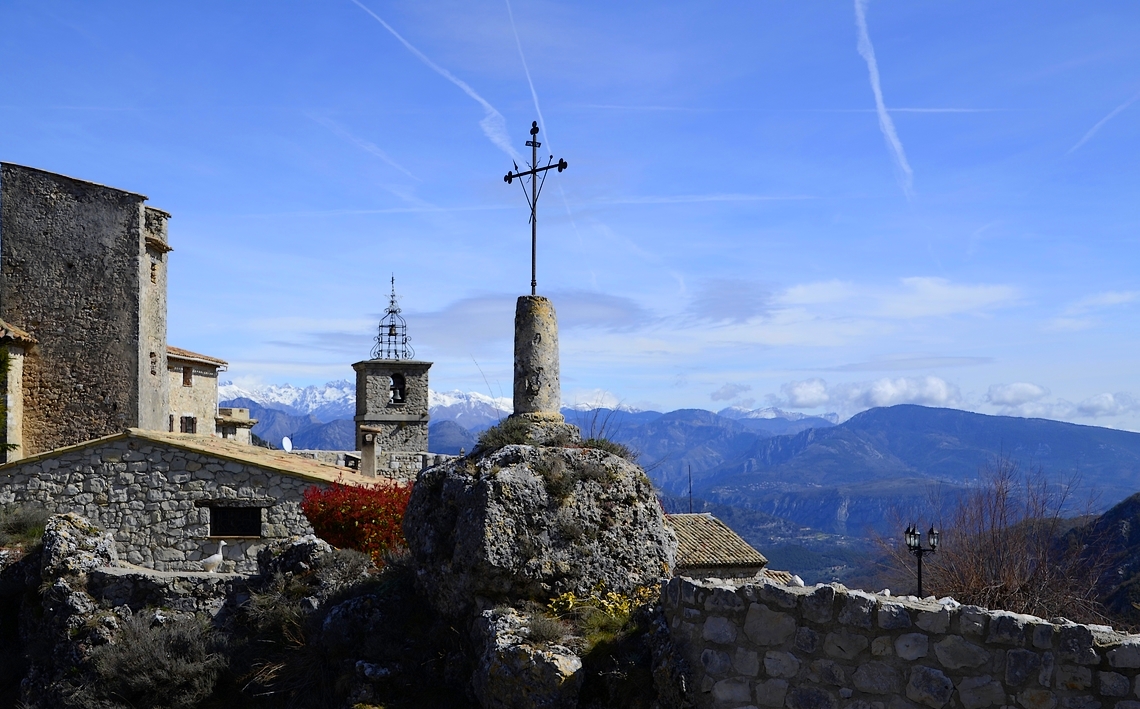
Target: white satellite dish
pixel 287 445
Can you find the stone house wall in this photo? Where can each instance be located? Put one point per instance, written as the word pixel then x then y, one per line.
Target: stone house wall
pixel 825 647
pixel 72 259
pixel 199 400
pixel 404 424
pixel 156 499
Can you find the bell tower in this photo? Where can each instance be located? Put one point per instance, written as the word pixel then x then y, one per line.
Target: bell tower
pixel 391 394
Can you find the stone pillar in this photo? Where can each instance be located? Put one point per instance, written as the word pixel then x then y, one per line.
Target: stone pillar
pixel 537 390
pixel 368 454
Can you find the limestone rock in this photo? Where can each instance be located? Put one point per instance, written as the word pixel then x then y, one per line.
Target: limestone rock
pixel 292 556
pixel 72 545
pixel 515 674
pixel 525 522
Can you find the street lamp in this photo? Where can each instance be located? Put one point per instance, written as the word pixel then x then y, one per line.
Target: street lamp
pixel 914 543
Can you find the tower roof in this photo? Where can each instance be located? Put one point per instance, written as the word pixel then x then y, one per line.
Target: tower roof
pixel 392 339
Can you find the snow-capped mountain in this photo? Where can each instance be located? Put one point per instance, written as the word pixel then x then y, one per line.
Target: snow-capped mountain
pixel 771 412
pixel 337 400
pixel 328 402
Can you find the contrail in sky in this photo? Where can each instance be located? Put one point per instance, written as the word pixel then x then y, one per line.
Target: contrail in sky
pixel 364 145
pixel 885 123
pixel 541 122
pixel 493 124
pixel 1101 122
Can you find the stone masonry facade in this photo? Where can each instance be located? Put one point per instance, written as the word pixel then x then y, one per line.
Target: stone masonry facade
pixel 761 644
pixel 157 497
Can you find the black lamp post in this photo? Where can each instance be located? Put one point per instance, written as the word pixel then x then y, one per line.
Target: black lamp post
pixel 914 543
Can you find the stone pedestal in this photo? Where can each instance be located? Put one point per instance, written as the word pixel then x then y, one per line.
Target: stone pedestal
pixel 538 395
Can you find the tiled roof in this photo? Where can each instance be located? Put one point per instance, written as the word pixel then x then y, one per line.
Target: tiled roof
pixel 11 332
pixel 704 541
pixel 225 449
pixel 179 353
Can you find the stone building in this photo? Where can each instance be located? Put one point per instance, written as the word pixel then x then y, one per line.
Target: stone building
pixel 392 400
pixel 707 548
pixel 193 383
pixel 83 276
pixel 169 498
pixel 235 423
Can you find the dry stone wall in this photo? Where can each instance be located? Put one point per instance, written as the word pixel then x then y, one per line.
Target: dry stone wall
pixel 826 647
pixel 156 499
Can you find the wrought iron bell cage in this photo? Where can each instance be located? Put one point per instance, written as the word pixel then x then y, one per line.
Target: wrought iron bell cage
pixel 392 338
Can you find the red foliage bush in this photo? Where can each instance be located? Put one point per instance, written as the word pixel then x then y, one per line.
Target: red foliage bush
pixel 365 518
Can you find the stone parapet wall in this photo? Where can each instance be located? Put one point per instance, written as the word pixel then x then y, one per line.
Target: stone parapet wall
pixel 761 644
pixel 155 499
pixel 400 466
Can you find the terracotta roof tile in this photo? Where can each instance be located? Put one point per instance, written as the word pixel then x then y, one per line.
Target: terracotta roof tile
pixel 179 353
pixel 11 332
pixel 705 541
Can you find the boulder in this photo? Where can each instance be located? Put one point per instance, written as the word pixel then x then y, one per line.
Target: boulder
pixel 74 546
pixel 296 555
pixel 514 673
pixel 529 523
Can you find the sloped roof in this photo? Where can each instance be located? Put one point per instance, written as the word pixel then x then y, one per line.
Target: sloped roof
pixel 703 541
pixel 11 332
pixel 179 353
pixel 225 449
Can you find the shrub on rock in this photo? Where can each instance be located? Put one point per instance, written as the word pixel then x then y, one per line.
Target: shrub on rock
pixel 365 518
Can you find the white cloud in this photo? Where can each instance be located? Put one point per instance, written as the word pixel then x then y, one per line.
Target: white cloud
pixel 808 394
pixel 729 391
pixel 1016 394
pixel 926 297
pixel 1108 405
pixel 851 397
pixel 1081 314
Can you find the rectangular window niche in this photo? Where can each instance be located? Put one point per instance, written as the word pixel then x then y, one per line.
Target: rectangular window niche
pixel 235 518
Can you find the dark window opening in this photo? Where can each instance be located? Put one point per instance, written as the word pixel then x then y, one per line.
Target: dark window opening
pixel 399 388
pixel 153 272
pixel 229 431
pixel 153 363
pixel 189 424
pixel 235 521
pixel 187 376
pixel 172 423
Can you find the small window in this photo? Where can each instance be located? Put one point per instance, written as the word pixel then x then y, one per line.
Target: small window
pixel 229 431
pixel 235 521
pixel 153 272
pixel 399 388
pixel 189 424
pixel 187 376
pixel 153 363
pixel 172 423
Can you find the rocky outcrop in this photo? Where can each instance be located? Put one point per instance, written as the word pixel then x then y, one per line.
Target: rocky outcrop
pixel 514 672
pixel 529 523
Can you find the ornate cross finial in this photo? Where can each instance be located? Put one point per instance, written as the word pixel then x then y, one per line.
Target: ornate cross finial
pixel 392 340
pixel 535 190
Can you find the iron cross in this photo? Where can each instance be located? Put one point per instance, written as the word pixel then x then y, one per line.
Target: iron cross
pixel 535 190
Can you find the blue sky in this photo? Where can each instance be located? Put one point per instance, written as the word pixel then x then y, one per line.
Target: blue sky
pixel 746 219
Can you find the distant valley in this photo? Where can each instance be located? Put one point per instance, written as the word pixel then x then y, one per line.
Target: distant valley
pixel 799 487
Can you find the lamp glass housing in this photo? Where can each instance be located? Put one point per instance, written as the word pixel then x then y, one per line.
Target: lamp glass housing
pixel 932 537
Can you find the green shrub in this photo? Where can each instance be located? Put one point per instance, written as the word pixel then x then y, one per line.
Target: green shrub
pixel 544 629
pixel 558 479
pixel 509 431
pixel 174 665
pixel 22 525
pixel 605 444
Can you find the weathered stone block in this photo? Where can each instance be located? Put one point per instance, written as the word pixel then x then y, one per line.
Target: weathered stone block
pixel 911 646
pixel 1077 645
pixel 746 662
pixel 936 622
pixel 877 678
pixel 732 690
pixel 768 627
pixel 781 664
pixel 929 686
pixel 978 692
pixel 844 644
pixel 857 609
pixel 1125 656
pixel 724 601
pixel 719 629
pixel 954 653
pixel 776 594
pixel 715 662
pixel 972 620
pixel 771 693
pixel 1020 665
pixel 811 698
pixel 1113 684
pixel 819 605
pixel 1079 702
pixel 882 646
pixel 828 672
pixel 1073 677
pixel 1007 629
pixel 807 640
pixel 1038 699
pixel 893 616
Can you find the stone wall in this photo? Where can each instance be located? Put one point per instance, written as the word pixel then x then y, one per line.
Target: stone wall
pixel 825 647
pixel 155 499
pixel 199 400
pixel 70 272
pixel 154 401
pixel 403 425
pixel 399 466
